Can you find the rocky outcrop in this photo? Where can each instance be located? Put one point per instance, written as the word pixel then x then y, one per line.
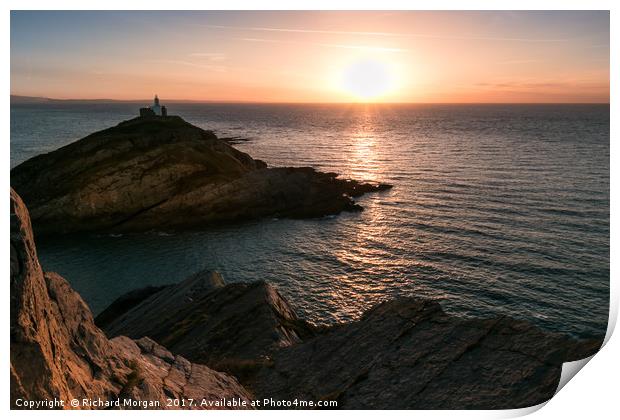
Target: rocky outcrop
pixel 409 354
pixel 164 173
pixel 402 354
pixel 57 352
pixel 232 327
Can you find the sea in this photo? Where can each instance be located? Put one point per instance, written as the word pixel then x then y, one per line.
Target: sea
pixel 495 209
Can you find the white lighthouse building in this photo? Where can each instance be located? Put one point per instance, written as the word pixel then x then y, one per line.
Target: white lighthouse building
pixel 156 107
pixel 155 110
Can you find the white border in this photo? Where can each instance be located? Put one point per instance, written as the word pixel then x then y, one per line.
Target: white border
pixel 593 393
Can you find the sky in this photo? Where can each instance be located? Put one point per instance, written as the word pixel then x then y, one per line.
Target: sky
pixel 313 56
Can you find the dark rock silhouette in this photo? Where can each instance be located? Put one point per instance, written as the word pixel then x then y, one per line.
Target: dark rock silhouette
pixel 409 354
pixel 402 354
pixel 230 327
pixel 164 173
pixel 58 352
pixel 124 303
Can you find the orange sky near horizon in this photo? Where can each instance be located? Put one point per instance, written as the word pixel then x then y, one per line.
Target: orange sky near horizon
pixel 313 56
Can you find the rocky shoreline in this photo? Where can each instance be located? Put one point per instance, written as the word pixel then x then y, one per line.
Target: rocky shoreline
pixel 162 173
pixel 207 340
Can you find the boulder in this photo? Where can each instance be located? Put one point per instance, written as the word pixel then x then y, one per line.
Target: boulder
pixel 58 353
pixel 166 174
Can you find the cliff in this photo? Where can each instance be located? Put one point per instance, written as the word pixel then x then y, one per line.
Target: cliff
pixel 57 352
pixel 164 173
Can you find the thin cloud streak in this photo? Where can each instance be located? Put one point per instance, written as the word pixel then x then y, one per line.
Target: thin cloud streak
pixel 351 47
pixel 524 61
pixel 383 34
pixel 209 67
pixel 210 56
pixel 363 47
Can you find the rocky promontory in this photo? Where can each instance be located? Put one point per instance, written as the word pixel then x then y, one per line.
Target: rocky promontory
pixel 164 173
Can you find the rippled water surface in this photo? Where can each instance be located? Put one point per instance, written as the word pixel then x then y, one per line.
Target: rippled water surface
pixel 495 208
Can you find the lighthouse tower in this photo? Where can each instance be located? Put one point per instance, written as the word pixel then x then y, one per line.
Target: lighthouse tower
pixel 156 108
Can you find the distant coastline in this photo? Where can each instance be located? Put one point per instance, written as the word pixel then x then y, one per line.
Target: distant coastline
pixel 33 100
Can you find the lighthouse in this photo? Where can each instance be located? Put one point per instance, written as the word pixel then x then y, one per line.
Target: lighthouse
pixel 155 110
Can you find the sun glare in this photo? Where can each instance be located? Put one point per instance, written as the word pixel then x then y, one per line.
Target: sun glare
pixel 366 79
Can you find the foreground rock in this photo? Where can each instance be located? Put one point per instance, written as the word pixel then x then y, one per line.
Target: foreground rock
pixel 402 354
pixel 409 354
pixel 164 173
pixel 232 327
pixel 57 352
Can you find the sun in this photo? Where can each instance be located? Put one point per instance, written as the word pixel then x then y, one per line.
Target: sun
pixel 366 79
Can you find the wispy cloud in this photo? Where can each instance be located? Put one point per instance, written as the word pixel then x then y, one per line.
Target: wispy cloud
pixel 271 41
pixel 544 84
pixel 211 56
pixel 523 61
pixel 208 67
pixel 294 30
pixel 363 47
pixel 385 34
pixel 327 45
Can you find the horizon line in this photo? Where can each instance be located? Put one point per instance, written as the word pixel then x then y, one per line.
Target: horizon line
pixel 216 101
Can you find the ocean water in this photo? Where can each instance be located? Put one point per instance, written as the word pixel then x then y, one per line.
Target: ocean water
pixel 495 209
